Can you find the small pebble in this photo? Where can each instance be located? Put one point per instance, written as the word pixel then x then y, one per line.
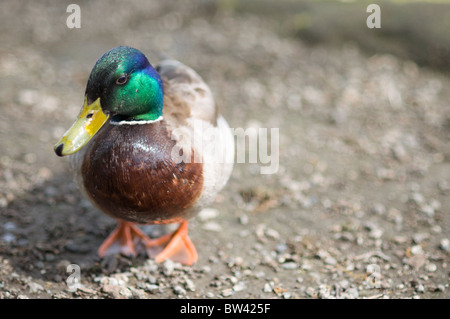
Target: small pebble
pixel 420 288
pixel 9 226
pixel 34 287
pixel 243 219
pixel 444 186
pixel 244 233
pixel 267 288
pixel 431 267
pixel 168 267
pixel 444 244
pixel 212 227
pixel 189 284
pixel 375 233
pixel 239 287
pixel 324 292
pixel 227 292
pixel 378 209
pixel 436 229
pixel 272 233
pixel 280 248
pixel 205 269
pixel 289 265
pixel 207 214
pixel 428 210
pixel 420 238
pixel 178 290
pixel 330 261
pixel 237 261
pixel 417 198
pixel 416 250
pixel 306 266
pixel 400 239
pixel 352 292
pixel 440 288
pixel 287 295
pixel 344 284
pixel 346 236
pixel 8 238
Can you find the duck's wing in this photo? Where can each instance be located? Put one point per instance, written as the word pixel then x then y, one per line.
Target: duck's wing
pixel 189 109
pixel 186 95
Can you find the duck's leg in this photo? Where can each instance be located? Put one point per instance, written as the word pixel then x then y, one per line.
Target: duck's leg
pixel 124 236
pixel 178 246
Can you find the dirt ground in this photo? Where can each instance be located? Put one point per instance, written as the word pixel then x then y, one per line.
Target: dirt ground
pixel 359 207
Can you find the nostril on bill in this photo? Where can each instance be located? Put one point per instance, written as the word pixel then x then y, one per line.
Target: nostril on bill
pixel 59 150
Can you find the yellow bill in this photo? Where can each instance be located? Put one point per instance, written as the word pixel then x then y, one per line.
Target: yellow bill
pixel 89 122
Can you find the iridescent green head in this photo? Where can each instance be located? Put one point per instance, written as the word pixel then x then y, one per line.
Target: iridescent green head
pixel 129 88
pixel 122 86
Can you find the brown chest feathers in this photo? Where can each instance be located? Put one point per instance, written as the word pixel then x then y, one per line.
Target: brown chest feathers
pixel 128 173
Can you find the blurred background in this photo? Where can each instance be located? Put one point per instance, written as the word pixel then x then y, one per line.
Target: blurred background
pixel 360 205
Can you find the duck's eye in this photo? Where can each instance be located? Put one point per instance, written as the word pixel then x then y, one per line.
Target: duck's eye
pixel 122 80
pixel 90 115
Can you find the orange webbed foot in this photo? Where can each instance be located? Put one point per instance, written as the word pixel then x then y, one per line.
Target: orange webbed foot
pixel 178 247
pixel 122 240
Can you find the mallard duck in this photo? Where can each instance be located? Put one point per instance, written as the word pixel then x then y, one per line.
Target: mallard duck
pixel 148 147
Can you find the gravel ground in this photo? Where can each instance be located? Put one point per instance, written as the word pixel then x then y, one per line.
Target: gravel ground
pixel 359 207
